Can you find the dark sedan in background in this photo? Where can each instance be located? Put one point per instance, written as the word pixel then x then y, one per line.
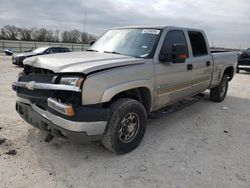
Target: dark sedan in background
pixel 18 58
pixel 244 61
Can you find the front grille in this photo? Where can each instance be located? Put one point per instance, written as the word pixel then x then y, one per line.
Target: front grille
pixel 39 97
pixel 36 96
pixel 34 70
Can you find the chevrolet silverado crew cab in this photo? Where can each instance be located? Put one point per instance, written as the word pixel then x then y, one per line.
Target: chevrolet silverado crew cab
pixel 107 92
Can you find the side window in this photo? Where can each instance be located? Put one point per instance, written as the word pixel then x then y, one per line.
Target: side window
pixel 65 50
pixel 173 37
pixel 57 50
pixel 60 49
pixel 198 43
pixel 51 50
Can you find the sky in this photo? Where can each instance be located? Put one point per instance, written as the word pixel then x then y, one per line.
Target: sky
pixel 226 22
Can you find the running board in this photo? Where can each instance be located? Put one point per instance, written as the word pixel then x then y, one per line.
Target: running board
pixel 176 106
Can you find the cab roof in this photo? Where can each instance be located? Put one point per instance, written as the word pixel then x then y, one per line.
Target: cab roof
pixel 157 27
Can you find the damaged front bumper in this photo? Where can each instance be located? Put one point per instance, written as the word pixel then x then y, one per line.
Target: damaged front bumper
pixel 77 131
pixel 57 109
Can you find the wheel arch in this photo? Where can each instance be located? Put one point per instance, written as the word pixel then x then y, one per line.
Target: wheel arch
pixel 140 93
pixel 229 71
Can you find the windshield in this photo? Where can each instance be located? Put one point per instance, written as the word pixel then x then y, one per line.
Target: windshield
pixel 131 42
pixel 39 50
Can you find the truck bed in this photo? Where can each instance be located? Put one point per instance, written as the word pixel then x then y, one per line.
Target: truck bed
pixel 225 57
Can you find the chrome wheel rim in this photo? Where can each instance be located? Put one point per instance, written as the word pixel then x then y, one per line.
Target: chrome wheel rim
pixel 129 127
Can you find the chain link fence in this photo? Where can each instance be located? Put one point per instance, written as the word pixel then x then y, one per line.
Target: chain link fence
pixel 23 46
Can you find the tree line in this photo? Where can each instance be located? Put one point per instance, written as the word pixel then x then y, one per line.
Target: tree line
pixel 9 32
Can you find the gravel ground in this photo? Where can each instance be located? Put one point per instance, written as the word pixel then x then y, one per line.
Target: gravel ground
pixel 204 145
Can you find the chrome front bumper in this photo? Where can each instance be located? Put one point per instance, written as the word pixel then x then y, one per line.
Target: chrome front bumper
pixel 44 86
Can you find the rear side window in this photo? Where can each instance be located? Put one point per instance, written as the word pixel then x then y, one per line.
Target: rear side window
pixel 198 43
pixel 173 37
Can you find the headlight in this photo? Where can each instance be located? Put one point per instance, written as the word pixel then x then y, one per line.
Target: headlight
pixel 72 81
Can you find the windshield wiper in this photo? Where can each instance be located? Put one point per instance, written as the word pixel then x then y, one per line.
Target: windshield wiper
pixel 91 50
pixel 113 52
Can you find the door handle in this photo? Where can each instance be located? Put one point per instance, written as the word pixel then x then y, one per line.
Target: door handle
pixel 189 66
pixel 208 63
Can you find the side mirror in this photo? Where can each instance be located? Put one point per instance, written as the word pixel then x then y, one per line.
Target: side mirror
pixel 92 42
pixel 177 55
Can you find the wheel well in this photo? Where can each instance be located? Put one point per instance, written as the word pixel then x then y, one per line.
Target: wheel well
pixel 229 71
pixel 141 94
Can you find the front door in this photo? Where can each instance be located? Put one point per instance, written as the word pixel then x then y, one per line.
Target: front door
pixel 173 80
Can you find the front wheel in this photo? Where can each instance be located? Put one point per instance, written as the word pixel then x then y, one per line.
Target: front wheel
pixel 219 93
pixel 126 126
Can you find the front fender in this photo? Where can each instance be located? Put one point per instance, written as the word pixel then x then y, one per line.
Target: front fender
pixel 109 93
pixel 102 86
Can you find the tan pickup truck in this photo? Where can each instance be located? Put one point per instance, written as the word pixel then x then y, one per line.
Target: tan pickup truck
pixel 107 92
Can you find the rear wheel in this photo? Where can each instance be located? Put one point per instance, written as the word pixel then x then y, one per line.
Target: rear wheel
pixel 126 126
pixel 219 93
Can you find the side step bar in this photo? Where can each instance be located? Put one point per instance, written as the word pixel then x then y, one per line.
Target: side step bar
pixel 176 106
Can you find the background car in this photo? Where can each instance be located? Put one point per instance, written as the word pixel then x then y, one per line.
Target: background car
pixel 8 51
pixel 244 60
pixel 18 58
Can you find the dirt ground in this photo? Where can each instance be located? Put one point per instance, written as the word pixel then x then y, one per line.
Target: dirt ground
pixel 204 145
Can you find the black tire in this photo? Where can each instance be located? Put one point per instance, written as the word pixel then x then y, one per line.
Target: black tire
pixel 219 93
pixel 113 138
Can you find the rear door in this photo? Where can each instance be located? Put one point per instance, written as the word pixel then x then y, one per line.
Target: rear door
pixel 173 80
pixel 202 61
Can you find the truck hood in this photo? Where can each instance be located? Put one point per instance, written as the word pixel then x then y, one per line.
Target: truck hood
pixel 81 62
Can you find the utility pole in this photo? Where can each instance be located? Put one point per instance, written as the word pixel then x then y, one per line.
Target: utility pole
pixel 84 22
